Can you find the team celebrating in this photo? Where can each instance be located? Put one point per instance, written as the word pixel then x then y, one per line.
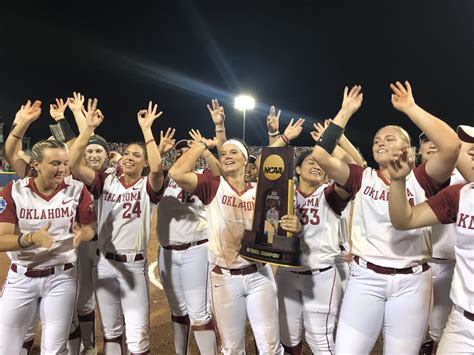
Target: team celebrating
pixel 385 250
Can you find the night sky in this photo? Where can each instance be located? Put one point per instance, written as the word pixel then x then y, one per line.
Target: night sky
pixel 297 55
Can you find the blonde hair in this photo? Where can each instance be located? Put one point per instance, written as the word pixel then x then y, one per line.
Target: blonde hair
pixel 401 132
pixel 37 152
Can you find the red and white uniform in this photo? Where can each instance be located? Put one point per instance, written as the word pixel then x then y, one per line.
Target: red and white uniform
pixel 23 205
pixel 442 241
pixel 123 225
pixel 184 268
pixel 389 286
pixel 455 204
pixel 239 287
pixel 309 296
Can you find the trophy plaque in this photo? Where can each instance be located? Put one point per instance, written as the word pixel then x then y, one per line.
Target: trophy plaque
pixel 267 242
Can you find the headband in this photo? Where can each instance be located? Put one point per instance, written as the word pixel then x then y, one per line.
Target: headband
pixel 238 145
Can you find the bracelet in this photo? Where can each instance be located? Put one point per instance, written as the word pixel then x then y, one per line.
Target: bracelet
pixel 17 137
pixel 149 141
pixel 285 139
pixel 20 241
pixel 222 129
pixel 205 144
pixel 30 236
pixel 23 240
pixel 274 134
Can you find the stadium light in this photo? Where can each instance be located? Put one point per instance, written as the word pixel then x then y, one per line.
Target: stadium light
pixel 244 103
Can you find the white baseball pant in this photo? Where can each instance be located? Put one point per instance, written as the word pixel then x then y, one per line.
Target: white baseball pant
pixel 234 297
pixel 458 336
pixel 123 286
pixel 398 304
pixel 442 275
pixel 19 304
pixel 312 302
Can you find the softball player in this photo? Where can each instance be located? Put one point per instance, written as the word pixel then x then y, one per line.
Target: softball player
pixel 43 210
pixel 390 283
pixel 125 202
pixel 442 241
pixel 184 270
pixel 95 157
pixel 309 297
pixel 454 204
pixel 239 287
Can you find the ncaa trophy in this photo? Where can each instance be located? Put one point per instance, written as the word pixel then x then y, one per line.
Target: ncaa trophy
pixel 267 242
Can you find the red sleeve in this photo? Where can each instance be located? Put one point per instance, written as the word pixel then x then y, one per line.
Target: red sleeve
pixel 7 205
pixel 207 186
pixel 354 181
pixel 445 204
pixel 155 196
pixel 97 185
pixel 336 203
pixel 431 188
pixel 85 213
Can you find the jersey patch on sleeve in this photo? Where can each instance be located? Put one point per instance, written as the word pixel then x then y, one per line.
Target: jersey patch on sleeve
pixel 3 204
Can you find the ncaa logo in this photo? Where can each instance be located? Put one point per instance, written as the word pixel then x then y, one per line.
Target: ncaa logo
pixel 273 167
pixel 3 204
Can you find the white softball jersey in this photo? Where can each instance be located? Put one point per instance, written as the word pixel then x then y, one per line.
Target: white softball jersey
pixel 229 213
pixel 319 213
pixel 181 215
pixel 443 236
pixel 22 204
pixel 123 212
pixel 455 204
pixel 373 236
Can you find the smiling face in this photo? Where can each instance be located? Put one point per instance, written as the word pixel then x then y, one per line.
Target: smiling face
pixel 251 172
pixel 310 172
pixel 95 156
pixel 388 141
pixel 232 159
pixel 53 167
pixel 133 160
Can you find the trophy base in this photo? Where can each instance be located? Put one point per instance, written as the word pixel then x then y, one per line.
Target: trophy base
pixel 283 251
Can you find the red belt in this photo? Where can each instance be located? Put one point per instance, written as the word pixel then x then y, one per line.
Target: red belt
pixel 310 272
pixel 30 272
pixel 120 257
pixel 184 246
pixel 390 270
pixel 251 269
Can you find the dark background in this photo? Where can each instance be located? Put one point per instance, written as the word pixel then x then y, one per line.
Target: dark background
pixel 297 55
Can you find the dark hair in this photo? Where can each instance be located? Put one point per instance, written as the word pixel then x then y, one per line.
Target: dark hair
pixel 303 155
pixel 146 169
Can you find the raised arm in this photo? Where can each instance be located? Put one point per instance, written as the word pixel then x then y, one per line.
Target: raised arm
pixel 273 123
pixel 56 111
pixel 94 118
pixel 337 169
pixel 218 117
pixel 76 104
pixel 402 214
pixel 182 170
pixel 145 120
pixel 443 162
pixel 27 114
pixel 212 163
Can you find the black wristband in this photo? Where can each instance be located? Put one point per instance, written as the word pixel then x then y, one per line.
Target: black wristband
pixel 66 130
pixel 330 137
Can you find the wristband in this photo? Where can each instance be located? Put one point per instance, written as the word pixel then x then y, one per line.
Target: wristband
pixel 274 134
pixel 66 132
pixel 20 241
pixel 285 139
pixel 149 141
pixel 205 144
pixel 222 129
pixel 330 137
